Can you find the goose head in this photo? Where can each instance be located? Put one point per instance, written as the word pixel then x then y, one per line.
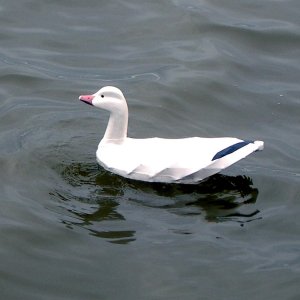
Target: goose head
pixel 109 98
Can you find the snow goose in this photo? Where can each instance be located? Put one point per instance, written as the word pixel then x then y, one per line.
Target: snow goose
pixel 186 160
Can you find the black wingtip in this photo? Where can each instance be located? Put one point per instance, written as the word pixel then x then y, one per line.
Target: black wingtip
pixel 231 149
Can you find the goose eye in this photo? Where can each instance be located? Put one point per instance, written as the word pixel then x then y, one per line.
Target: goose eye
pixel 102 96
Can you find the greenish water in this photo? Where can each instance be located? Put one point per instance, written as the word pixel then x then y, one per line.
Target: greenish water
pixel 71 230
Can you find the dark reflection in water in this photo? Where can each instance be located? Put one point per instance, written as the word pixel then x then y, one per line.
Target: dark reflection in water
pixel 92 196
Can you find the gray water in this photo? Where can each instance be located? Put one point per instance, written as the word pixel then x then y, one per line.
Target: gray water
pixel 69 229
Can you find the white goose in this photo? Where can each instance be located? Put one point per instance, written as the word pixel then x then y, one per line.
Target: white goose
pixel 187 160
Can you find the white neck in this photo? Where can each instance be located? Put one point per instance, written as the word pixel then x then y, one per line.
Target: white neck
pixel 116 130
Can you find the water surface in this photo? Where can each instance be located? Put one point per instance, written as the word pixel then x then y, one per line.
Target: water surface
pixel 71 230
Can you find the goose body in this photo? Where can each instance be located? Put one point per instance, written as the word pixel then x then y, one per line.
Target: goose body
pixel 187 160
